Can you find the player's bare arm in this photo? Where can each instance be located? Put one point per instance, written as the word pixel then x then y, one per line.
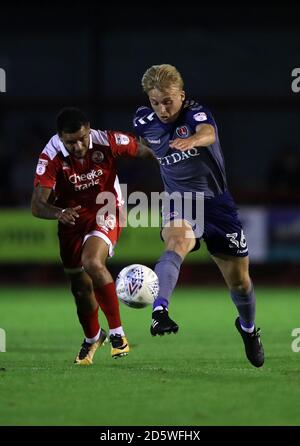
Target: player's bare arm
pixel 143 150
pixel 41 207
pixel 205 136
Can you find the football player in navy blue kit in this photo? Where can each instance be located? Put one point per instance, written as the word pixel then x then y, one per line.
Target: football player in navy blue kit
pixel 183 136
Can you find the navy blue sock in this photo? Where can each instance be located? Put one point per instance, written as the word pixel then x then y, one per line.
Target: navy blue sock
pixel 245 304
pixel 167 270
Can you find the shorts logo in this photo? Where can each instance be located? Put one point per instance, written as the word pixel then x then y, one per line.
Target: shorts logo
pixel 97 156
pixel 182 132
pixel 200 116
pixel 41 167
pixel 106 222
pixel 121 139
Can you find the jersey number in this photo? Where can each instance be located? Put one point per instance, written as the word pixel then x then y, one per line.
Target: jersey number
pixel 238 243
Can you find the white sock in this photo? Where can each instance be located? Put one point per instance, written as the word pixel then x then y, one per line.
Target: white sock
pixel 94 339
pixel 118 330
pixel 160 307
pixel 248 330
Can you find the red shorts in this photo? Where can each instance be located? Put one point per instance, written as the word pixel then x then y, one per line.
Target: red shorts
pixel 72 239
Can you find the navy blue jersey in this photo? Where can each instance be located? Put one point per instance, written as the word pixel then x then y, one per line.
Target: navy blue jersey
pixel 196 170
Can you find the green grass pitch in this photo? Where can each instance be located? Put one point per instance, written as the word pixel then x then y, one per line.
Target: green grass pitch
pixel 198 377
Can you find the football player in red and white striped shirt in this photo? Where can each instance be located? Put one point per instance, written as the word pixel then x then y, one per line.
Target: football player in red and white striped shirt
pixel 76 165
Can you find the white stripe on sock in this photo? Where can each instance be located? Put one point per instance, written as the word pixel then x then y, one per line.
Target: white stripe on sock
pixel 94 339
pixel 248 330
pixel 118 330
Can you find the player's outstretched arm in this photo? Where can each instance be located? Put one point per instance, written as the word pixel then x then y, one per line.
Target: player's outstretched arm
pixel 143 150
pixel 205 136
pixel 41 208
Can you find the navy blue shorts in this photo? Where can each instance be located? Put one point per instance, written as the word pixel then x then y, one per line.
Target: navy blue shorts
pixel 221 228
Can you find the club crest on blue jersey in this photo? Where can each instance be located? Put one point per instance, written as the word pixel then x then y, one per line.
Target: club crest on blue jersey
pixel 182 132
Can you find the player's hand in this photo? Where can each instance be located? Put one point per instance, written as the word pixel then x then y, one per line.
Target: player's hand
pixel 68 216
pixel 182 144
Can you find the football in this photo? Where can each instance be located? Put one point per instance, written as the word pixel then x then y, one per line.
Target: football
pixel 137 286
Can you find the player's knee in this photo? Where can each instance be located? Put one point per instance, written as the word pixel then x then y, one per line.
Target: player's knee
pixel 81 292
pixel 93 266
pixel 241 286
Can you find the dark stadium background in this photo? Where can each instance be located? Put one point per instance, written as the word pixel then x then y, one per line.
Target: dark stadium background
pixel 237 59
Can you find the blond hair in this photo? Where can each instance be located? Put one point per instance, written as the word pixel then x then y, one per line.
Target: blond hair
pixel 161 77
